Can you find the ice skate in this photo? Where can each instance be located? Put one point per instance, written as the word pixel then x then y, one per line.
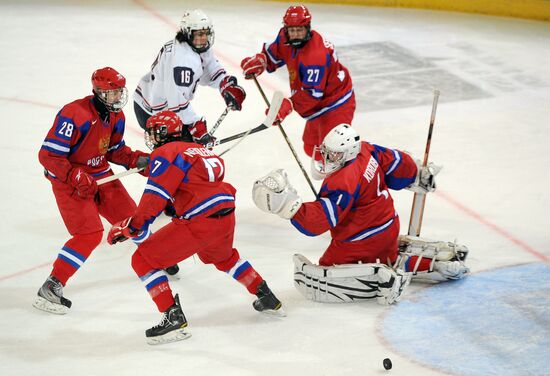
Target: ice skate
pixel 50 297
pixel 170 328
pixel 267 302
pixel 172 272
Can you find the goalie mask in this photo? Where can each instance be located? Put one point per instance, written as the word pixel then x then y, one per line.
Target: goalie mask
pixel 341 144
pixel 197 30
pixel 297 21
pixel 109 87
pixel 165 127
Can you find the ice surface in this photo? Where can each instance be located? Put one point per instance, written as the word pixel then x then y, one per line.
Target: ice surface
pixel 492 134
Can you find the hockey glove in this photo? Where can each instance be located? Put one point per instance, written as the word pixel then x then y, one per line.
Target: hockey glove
pixel 121 231
pixel 285 110
pixel 139 159
pixel 274 194
pixel 254 65
pixel 232 93
pixel 83 182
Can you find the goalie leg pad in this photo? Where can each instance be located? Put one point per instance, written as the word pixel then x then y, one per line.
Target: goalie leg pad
pixel 433 249
pixel 349 282
pixel 446 259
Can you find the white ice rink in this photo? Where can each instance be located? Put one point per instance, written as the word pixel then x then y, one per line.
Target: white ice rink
pixel 492 135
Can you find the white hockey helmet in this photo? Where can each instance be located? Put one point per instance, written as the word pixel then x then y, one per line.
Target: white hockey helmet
pixel 196 20
pixel 340 145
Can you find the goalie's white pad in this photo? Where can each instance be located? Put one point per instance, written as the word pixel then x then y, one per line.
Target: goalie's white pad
pixel 348 283
pixel 425 178
pixel 440 250
pixel 274 194
pixel 447 259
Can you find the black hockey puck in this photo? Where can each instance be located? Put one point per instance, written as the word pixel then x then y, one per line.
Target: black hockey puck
pixel 387 363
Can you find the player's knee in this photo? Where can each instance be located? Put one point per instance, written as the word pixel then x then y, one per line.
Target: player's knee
pixel 139 264
pixel 87 241
pixel 229 262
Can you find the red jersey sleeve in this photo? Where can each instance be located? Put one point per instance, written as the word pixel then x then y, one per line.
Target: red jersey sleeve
pixel 399 168
pixel 275 52
pixel 64 134
pixel 335 201
pixel 167 170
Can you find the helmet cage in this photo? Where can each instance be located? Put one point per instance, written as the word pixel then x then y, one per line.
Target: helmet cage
pixel 113 99
pixel 158 135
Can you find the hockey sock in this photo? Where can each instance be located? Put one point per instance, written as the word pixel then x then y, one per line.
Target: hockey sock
pixel 242 271
pixel 73 255
pixel 155 282
pixel 424 265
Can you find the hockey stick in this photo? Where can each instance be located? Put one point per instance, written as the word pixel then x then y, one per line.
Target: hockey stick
pixel 219 121
pixel 134 170
pixel 280 126
pixel 118 176
pixel 276 102
pixel 419 199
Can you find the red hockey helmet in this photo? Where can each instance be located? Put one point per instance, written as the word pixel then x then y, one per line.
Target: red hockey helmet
pixel 164 127
pixel 110 88
pixel 297 16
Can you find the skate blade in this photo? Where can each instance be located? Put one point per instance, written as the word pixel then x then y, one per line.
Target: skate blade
pixel 274 312
pixel 173 336
pixel 47 306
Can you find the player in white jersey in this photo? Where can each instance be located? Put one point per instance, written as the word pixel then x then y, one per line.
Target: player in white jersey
pixel 181 65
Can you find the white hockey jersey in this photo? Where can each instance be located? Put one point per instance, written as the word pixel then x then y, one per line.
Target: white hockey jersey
pixel 173 79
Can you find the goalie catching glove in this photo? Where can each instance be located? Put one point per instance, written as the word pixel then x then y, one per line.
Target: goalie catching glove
pixel 425 178
pixel 274 194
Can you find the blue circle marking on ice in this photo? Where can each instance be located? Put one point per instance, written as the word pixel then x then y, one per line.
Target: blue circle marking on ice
pixel 491 323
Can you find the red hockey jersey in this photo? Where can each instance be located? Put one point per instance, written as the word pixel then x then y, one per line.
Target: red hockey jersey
pixel 354 202
pixel 187 176
pixel 318 81
pixel 79 138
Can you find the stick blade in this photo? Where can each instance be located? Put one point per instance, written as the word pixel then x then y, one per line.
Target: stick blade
pixel 274 107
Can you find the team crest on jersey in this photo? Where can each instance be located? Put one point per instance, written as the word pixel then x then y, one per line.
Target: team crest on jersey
pixel 291 76
pixel 104 145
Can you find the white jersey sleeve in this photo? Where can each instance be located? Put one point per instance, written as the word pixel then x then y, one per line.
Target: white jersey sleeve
pixel 173 79
pixel 213 70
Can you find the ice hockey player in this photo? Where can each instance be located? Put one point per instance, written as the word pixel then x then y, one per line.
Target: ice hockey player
pixel 356 206
pixel 190 178
pixel 321 87
pixel 183 63
pixel 86 135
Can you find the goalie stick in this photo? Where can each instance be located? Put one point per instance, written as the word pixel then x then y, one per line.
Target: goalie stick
pixel 419 199
pixel 280 126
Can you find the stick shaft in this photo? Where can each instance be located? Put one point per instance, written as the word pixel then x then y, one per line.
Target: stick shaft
pixel 419 199
pixel 287 141
pixel 118 176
